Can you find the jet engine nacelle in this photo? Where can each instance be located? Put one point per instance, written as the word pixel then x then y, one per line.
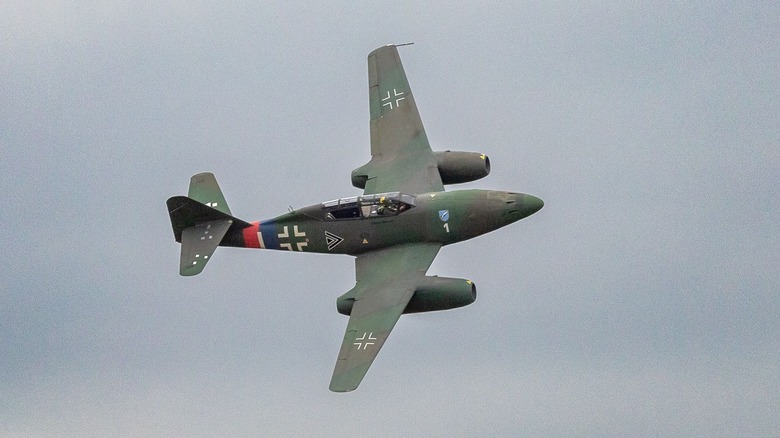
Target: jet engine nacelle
pixel 436 293
pixel 454 168
pixel 442 293
pixel 462 167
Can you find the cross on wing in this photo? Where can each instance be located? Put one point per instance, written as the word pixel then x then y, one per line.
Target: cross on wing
pixel 387 101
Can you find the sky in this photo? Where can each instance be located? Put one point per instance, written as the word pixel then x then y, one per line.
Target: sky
pixel 643 300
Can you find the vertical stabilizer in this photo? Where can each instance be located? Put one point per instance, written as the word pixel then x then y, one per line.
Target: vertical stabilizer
pixel 204 189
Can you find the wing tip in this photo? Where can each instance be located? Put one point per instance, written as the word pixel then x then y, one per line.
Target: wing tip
pixel 340 383
pixel 348 379
pixel 389 47
pixel 341 389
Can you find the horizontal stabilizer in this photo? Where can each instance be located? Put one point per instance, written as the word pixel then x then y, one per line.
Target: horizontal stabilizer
pixel 186 212
pixel 198 243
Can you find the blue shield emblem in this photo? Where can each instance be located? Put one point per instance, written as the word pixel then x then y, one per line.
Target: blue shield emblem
pixel 444 215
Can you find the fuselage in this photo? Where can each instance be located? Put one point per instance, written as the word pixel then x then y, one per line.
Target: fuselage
pixel 360 224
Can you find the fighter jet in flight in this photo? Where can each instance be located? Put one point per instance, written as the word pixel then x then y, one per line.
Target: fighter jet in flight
pixel 394 230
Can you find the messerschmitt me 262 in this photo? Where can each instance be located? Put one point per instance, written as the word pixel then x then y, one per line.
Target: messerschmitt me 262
pixel 394 230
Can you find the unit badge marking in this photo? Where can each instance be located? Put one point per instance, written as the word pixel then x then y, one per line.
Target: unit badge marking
pixel 332 240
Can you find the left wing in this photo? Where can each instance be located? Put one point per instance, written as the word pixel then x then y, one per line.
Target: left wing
pixel 386 281
pixel 401 157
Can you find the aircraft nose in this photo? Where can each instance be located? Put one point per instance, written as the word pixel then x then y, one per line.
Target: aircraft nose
pixel 531 204
pixel 520 205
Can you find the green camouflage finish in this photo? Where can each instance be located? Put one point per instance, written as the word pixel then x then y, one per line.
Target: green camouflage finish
pixel 395 229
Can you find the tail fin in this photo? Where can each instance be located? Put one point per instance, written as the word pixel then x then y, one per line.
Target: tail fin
pixel 204 189
pixel 200 222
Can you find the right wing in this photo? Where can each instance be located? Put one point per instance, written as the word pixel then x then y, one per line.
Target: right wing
pixel 402 159
pixel 386 281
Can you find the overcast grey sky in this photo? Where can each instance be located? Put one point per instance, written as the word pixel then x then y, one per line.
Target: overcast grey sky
pixel 641 301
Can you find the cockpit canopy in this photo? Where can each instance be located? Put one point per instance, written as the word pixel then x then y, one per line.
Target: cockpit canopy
pixel 380 204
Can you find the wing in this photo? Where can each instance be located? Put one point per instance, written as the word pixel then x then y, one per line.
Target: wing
pixel 402 159
pixel 386 281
